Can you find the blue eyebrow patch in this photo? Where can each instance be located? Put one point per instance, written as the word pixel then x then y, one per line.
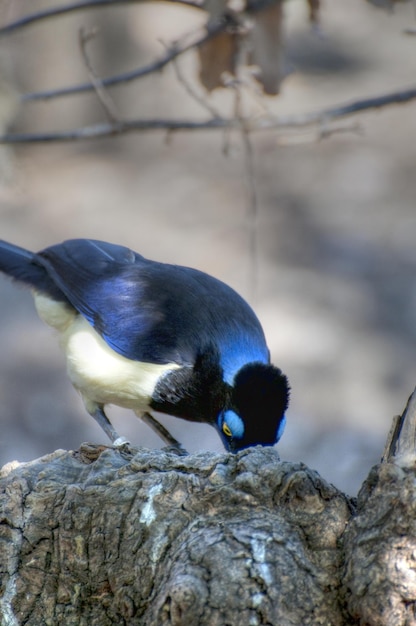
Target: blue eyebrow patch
pixel 234 423
pixel 237 354
pixel 281 428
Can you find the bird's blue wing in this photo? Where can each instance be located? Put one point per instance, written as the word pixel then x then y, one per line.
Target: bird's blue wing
pixel 107 284
pixel 155 312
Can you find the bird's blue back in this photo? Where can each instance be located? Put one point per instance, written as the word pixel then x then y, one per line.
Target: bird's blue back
pixel 155 312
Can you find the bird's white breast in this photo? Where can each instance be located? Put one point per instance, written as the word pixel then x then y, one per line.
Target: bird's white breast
pixel 100 374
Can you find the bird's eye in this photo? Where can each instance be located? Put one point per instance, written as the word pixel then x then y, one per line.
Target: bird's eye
pixel 226 430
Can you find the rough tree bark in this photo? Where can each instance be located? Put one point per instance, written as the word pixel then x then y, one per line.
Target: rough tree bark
pixel 102 537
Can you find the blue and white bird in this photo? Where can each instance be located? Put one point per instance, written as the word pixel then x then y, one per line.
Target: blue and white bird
pixel 151 336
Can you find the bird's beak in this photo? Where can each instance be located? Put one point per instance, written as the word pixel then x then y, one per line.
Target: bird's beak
pixel 232 447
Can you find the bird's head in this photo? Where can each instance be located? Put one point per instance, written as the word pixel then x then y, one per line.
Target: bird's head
pixel 256 413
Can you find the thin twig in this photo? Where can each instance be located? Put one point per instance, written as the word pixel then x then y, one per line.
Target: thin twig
pixel 250 179
pixel 344 110
pixel 211 28
pixel 252 125
pixel 27 20
pixel 308 135
pixel 98 131
pixel 326 130
pixel 85 36
pixel 193 40
pixel 252 210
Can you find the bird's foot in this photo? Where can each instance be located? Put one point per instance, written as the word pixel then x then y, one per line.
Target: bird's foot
pixel 176 448
pixel 121 442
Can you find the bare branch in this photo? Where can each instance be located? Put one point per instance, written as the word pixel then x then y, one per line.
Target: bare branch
pixel 193 40
pixel 211 29
pixel 250 177
pixel 252 125
pixel 98 131
pixel 75 6
pixel 32 18
pixel 104 98
pixel 252 206
pixel 395 97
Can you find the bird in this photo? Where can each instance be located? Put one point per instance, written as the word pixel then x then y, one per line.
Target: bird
pixel 152 336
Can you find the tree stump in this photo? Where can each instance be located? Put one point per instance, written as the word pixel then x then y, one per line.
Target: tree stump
pixel 109 537
pixel 380 542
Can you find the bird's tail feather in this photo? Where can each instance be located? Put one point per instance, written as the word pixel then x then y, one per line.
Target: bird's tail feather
pixel 23 266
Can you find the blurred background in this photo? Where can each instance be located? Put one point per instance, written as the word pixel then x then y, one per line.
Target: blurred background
pixel 336 228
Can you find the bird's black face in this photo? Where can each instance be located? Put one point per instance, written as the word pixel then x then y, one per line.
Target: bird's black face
pixel 256 416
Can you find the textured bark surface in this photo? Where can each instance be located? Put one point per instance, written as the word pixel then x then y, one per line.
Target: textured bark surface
pixel 380 542
pixel 380 550
pixel 98 537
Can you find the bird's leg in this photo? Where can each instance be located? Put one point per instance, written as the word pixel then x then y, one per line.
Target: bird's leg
pixel 101 418
pixel 173 444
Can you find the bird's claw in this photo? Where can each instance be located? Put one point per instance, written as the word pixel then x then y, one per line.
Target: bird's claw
pixel 121 442
pixel 176 448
